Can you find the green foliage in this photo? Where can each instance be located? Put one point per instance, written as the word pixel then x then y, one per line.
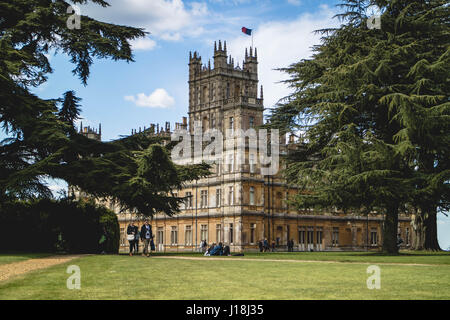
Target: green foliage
pixel 41 139
pixel 70 110
pixel 372 107
pixel 35 226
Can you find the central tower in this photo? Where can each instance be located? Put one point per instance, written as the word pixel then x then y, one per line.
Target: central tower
pixel 225 96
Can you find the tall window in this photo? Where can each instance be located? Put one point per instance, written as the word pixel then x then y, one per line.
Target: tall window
pixel 122 239
pixel 205 94
pixel 252 232
pixel 188 199
pixel 319 235
pixel 198 96
pixel 204 232
pixel 231 196
pixel 251 121
pixel 252 196
pixel 310 235
pixel 373 237
pixel 231 233
pixel 301 235
pixel 160 235
pixel 407 236
pixel 218 197
pixel 228 90
pixel 231 123
pixel 174 236
pixel 335 237
pixel 204 199
pixel 252 163
pixel 188 236
pixel 230 162
pixel 218 233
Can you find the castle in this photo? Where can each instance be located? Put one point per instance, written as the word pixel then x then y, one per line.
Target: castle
pixel 238 205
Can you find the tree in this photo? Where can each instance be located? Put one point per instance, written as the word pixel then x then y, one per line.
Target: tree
pixel 366 116
pixel 41 139
pixel 70 110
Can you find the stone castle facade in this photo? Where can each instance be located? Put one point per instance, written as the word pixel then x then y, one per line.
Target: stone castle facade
pixel 238 205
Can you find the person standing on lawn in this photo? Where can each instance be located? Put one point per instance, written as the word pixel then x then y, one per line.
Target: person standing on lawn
pixel 146 236
pixel 131 232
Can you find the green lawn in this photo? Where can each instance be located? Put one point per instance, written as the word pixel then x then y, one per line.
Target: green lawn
pixel 16 257
pixel 124 277
pixel 407 257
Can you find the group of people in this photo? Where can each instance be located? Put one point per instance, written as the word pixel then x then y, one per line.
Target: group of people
pixel 264 245
pixel 215 249
pixel 145 235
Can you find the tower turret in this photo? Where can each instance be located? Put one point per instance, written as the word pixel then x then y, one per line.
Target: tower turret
pixel 195 64
pixel 251 61
pixel 220 56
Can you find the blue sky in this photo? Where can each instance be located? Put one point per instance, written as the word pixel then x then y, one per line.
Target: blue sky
pixel 154 88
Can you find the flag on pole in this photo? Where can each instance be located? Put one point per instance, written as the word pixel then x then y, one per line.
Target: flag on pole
pixel 247 31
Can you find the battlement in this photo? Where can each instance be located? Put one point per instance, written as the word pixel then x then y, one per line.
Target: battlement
pixel 223 63
pixel 161 131
pixel 91 133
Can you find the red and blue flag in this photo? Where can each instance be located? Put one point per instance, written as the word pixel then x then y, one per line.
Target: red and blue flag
pixel 247 31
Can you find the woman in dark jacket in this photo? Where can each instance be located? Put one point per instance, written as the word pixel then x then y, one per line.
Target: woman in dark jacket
pixel 131 232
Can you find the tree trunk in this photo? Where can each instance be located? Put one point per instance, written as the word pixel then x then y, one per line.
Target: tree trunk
pixel 425 230
pixel 390 231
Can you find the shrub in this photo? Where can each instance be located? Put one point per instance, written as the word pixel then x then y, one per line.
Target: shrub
pixel 48 225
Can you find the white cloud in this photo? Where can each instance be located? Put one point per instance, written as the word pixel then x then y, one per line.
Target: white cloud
pixel 165 19
pixel 157 99
pixel 143 44
pixel 279 44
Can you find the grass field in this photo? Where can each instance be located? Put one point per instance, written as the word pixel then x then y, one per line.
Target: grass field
pixel 256 277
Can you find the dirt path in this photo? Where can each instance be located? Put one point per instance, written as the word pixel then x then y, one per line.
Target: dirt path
pixel 14 269
pixel 302 261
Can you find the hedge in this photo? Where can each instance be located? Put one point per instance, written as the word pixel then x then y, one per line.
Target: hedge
pixel 48 226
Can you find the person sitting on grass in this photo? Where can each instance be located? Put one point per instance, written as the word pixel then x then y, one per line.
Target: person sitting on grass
pixel 208 251
pixel 218 250
pixel 226 251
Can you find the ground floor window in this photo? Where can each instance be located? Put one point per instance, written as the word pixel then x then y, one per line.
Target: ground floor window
pixel 252 232
pixel 122 238
pixel 174 236
pixel 301 235
pixel 218 233
pixel 204 232
pixel 310 235
pixel 407 236
pixel 160 235
pixel 188 236
pixel 231 233
pixel 373 237
pixel 319 235
pixel 335 237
